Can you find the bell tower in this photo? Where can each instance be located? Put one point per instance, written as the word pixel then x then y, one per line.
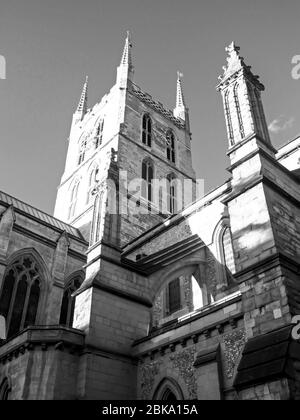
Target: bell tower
pixel 149 143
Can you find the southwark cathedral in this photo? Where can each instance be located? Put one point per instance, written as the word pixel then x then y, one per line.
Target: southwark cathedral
pixel 139 288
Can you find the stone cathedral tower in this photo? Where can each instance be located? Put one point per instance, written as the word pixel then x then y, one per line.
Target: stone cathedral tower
pixel 133 136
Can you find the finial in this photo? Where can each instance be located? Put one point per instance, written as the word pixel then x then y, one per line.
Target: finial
pixel 234 62
pixel 232 48
pixel 181 111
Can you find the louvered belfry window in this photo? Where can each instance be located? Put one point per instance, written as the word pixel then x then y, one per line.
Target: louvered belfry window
pixel 147 130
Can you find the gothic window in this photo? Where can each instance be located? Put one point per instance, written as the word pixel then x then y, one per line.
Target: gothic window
pixel 96 224
pixel 228 250
pixel 171 193
pixel 168 390
pixel 68 303
pixel 82 151
pixel 99 134
pixel 173 296
pixel 20 296
pixel 254 108
pixel 147 130
pixel 170 139
pixel 261 115
pixel 147 177
pixel 4 390
pixel 228 118
pixel 238 110
pixel 73 200
pixel 93 178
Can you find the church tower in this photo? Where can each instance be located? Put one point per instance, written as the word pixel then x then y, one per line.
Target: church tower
pixel 148 146
pixel 128 167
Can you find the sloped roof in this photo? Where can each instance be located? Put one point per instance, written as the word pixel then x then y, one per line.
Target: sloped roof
pixel 39 215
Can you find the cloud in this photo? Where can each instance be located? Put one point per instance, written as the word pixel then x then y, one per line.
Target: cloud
pixel 281 124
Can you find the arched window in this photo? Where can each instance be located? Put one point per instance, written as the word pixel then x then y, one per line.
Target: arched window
pixel 95 234
pixel 20 295
pixel 73 200
pixel 238 110
pixel 99 134
pixel 228 118
pixel 171 191
pixel 168 390
pixel 82 151
pixel 173 297
pixel 147 176
pixel 4 390
pixel 68 303
pixel 228 249
pixel 170 139
pixel 93 178
pixel 147 130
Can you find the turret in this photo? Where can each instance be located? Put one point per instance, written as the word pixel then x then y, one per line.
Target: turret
pixel 241 93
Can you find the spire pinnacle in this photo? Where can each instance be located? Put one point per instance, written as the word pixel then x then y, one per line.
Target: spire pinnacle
pixel 181 110
pixel 82 105
pixel 180 103
pixel 126 57
pixel 125 69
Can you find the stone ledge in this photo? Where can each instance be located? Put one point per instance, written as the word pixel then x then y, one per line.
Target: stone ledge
pixel 193 335
pixel 44 336
pixel 262 267
pixel 266 358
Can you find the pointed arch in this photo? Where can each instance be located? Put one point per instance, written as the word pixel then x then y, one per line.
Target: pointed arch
pixel 146 130
pixel 5 389
pixel 24 291
pixel 238 109
pixel 99 132
pixel 147 177
pixel 68 302
pixel 224 253
pixel 170 143
pixel 97 223
pixel 172 193
pixel 227 249
pixel 168 390
pixel 82 151
pixel 92 179
pixel 73 198
pixel 228 117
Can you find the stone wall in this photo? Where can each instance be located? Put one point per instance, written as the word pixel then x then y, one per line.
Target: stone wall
pixel 175 359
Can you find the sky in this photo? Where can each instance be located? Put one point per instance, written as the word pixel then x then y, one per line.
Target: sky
pixel 51 45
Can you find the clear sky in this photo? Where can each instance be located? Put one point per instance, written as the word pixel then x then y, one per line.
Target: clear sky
pixel 50 45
